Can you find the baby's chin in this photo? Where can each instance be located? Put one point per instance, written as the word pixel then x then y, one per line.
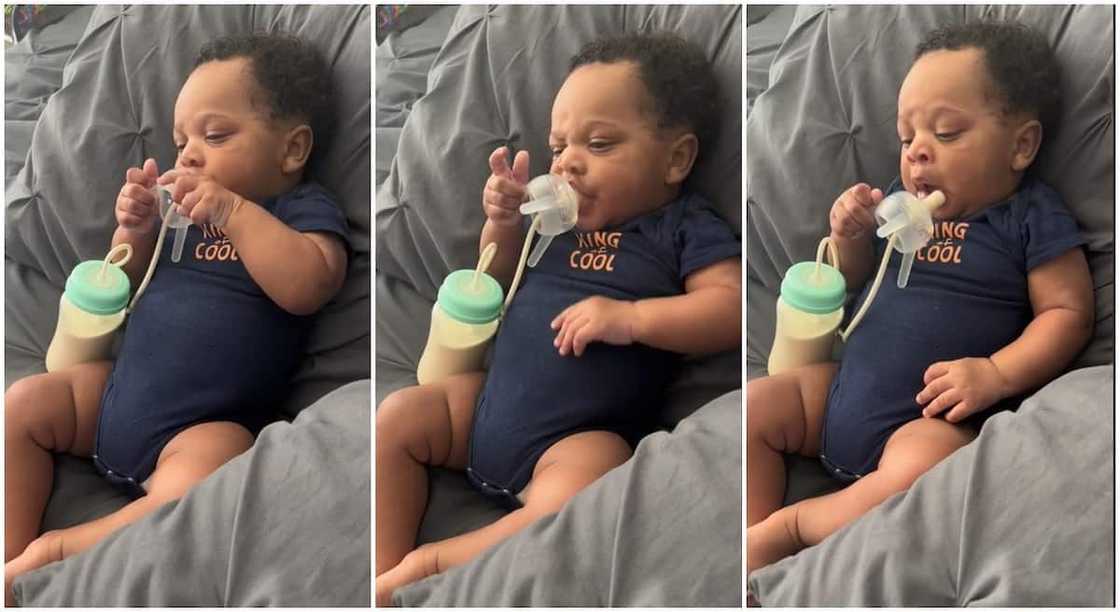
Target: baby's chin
pixel 591 225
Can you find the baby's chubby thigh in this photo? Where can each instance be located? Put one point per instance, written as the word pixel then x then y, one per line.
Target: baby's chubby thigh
pixel 919 445
pixel 571 464
pixel 193 454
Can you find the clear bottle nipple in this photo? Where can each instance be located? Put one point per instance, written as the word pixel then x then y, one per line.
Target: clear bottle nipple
pixel 174 220
pixel 907 221
pixel 556 205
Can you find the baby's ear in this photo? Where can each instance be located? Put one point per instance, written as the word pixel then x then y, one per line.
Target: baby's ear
pixel 297 148
pixel 1028 138
pixel 682 154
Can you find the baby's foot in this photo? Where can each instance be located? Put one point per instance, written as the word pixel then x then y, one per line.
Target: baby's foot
pixel 416 565
pixel 45 549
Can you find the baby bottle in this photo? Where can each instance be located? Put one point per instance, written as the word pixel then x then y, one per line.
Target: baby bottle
pixel 464 318
pixel 810 307
pixel 91 309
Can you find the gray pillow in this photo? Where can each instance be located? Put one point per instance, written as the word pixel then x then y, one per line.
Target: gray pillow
pixel 827 120
pixel 114 109
pixel 1023 516
pixel 492 84
pixel 663 529
pixel 285 524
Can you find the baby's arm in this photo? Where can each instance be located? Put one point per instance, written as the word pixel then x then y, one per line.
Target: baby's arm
pixel 300 271
pixel 852 222
pixel 138 219
pixel 704 319
pixel 503 194
pixel 1061 294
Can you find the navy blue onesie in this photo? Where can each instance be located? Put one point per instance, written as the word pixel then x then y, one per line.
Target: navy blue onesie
pixel 533 396
pixel 966 297
pixel 204 344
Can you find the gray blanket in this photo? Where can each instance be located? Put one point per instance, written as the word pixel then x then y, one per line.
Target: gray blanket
pixel 1023 516
pixel 663 529
pixel 285 524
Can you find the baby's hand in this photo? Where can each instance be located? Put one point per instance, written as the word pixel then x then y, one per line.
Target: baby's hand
pixel 201 198
pixel 966 386
pixel 136 204
pixel 853 213
pixel 595 318
pixel 505 189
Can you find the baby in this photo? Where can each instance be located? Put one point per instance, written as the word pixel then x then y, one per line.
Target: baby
pixel 997 305
pixel 597 342
pixel 209 349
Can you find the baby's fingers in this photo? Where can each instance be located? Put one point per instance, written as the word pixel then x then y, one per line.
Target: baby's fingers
pixel 151 171
pixel 521 167
pixel 135 176
pixel 498 162
pixel 586 335
pixel 505 188
pixel 138 193
pixel 947 399
pixel 959 412
pixel 933 388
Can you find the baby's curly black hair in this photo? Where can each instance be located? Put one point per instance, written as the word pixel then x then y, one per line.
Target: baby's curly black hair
pixel 1020 63
pixel 288 70
pixel 675 72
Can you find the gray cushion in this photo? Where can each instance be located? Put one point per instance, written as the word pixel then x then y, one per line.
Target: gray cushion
pixel 664 529
pixel 1023 516
pixel 285 524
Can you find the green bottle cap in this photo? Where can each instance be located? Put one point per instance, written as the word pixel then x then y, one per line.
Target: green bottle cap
pixel 809 290
pixel 97 293
pixel 469 302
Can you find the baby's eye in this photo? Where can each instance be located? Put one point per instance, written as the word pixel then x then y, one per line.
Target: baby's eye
pixel 556 151
pixel 216 136
pixel 179 147
pixel 599 146
pixel 906 142
pixel 947 136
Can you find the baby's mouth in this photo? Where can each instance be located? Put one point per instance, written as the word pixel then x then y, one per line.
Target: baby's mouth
pixel 923 189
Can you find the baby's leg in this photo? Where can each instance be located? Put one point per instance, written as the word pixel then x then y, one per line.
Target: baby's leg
pixel 417 427
pixel 190 456
pixel 44 414
pixel 562 471
pixel 910 452
pixel 785 414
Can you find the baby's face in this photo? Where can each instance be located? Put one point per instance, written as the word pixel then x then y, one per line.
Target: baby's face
pixel 954 135
pixel 607 146
pixel 221 134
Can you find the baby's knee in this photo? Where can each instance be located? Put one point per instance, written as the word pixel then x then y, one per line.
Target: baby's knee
pixel 615 450
pixel 392 412
pixel 765 409
pixel 20 401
